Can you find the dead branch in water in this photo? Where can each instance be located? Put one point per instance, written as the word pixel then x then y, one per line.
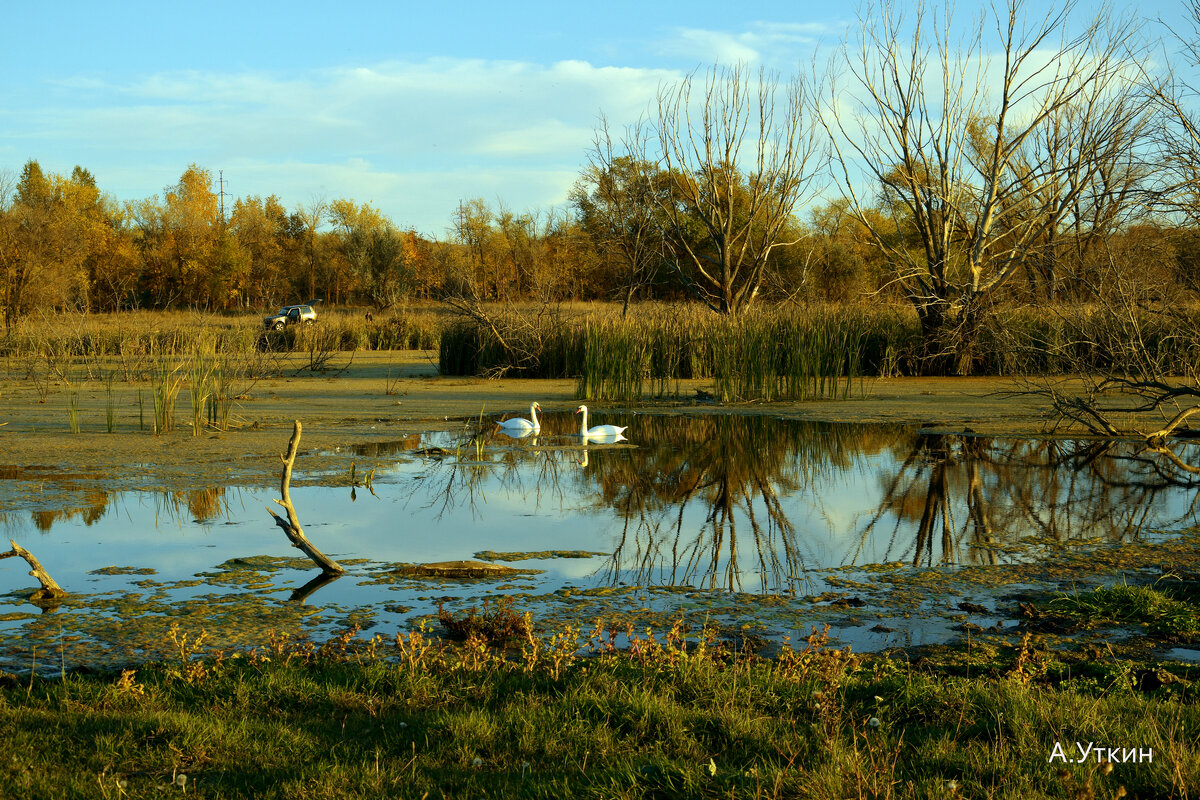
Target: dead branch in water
pixel 301 593
pixel 291 525
pixel 50 590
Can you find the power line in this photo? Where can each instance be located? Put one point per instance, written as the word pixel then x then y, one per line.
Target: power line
pixel 221 193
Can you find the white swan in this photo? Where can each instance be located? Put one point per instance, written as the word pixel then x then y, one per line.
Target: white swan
pixel 607 433
pixel 527 436
pixel 517 426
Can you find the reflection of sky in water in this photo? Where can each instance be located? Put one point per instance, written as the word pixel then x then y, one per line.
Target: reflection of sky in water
pixel 722 502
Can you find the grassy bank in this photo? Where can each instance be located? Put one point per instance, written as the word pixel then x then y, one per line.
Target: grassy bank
pixel 665 718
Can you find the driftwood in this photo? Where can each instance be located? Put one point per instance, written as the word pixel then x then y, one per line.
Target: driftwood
pixel 1087 412
pixel 291 525
pixel 50 590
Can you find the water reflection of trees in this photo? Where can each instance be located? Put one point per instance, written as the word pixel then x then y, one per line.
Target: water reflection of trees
pixel 89 507
pixel 481 459
pixel 943 499
pixel 739 470
pixel 967 499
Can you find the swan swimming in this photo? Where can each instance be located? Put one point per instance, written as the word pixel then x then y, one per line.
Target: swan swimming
pixel 518 425
pixel 609 433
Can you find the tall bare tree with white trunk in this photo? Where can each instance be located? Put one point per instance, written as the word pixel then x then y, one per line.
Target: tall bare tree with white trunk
pixel 987 140
pixel 740 154
pixel 1179 135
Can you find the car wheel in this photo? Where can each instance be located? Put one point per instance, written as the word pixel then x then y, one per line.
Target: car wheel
pixel 278 326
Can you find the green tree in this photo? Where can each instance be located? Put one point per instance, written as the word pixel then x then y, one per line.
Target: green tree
pixel 308 219
pixel 374 251
pixel 181 239
pixel 619 203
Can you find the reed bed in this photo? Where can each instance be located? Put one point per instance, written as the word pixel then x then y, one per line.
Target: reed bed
pixel 787 353
pixel 83 339
pixel 771 354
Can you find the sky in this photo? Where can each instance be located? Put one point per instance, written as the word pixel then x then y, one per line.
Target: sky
pixel 409 107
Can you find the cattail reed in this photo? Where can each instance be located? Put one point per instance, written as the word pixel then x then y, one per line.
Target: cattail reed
pixel 165 390
pixel 110 408
pixel 73 412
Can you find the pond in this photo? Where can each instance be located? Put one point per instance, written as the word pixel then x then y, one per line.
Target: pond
pixel 752 523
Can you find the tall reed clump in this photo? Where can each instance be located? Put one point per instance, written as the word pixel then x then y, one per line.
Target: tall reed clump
pixel 776 356
pixel 110 403
pixel 211 373
pixel 165 379
pixel 615 362
pixel 458 350
pixel 767 355
pixel 199 369
pixel 73 412
pixel 219 399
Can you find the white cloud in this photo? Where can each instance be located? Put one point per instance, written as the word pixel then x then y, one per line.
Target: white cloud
pixel 776 44
pixel 720 46
pixel 410 137
pixel 550 136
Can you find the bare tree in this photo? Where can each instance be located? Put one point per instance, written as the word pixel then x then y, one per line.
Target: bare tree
pixel 50 591
pixel 312 216
pixel 1178 137
pixel 1131 361
pixel 291 525
pixel 483 266
pixel 1149 387
pixel 984 147
pixel 738 162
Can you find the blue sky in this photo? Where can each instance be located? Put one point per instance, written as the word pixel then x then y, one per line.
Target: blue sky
pixel 410 107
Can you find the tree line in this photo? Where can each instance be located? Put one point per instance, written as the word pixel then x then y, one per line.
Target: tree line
pixel 1024 155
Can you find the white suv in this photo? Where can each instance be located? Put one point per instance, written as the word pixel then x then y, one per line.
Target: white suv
pixel 290 315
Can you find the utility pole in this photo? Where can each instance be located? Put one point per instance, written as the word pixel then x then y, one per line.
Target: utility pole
pixel 221 193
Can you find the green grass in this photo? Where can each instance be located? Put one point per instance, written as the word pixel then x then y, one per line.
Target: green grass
pixel 668 717
pixel 1157 609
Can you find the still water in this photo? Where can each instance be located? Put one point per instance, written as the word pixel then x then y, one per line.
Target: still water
pixel 741 519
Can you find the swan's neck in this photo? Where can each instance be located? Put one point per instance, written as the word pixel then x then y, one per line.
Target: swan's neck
pixel 583 424
pixel 533 416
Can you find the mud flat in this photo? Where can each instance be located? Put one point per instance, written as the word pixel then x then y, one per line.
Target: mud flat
pixel 380 397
